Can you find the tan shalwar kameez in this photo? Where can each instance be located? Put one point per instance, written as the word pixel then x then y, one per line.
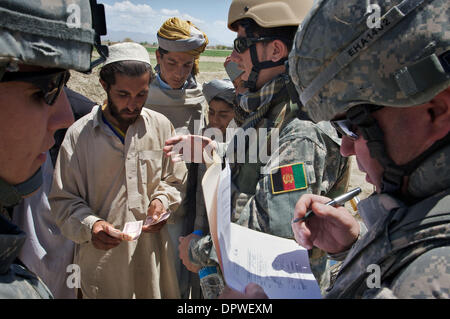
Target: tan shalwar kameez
pixel 97 177
pixel 187 110
pixel 182 107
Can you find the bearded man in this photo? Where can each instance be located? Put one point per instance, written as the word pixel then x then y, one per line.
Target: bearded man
pixel 110 171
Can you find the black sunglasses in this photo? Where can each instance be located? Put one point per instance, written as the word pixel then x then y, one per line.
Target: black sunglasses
pixel 50 82
pixel 241 44
pixel 345 128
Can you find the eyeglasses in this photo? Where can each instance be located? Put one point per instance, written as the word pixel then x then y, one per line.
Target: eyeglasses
pixel 345 128
pixel 241 44
pixel 50 82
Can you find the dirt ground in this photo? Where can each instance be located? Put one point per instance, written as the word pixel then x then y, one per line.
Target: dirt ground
pixel 88 85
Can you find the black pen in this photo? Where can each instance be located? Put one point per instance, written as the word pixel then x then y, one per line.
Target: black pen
pixel 334 202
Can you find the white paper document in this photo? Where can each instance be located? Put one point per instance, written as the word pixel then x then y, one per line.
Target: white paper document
pixel 280 266
pixel 210 182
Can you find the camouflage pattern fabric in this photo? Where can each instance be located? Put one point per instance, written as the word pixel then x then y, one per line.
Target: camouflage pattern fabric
pixel 432 176
pixel 50 34
pixel 203 254
pixel 398 64
pixel 45 33
pixel 410 245
pixel 300 141
pixel 397 69
pixel 254 204
pixel 16 281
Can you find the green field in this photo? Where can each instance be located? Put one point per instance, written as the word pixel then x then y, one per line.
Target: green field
pixel 211 66
pixel 218 53
pixel 205 66
pixel 214 53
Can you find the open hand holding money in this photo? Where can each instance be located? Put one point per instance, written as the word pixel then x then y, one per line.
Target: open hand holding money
pixel 152 220
pixel 157 215
pixel 131 231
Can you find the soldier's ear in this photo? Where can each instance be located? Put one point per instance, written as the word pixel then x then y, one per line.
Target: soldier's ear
pixel 439 111
pixel 277 50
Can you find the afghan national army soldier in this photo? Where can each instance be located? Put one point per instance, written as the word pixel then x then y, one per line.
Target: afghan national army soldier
pixel 302 157
pixel 383 80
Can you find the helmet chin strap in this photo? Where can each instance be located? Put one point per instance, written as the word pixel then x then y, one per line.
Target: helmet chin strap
pixel 10 195
pixel 258 66
pixel 393 174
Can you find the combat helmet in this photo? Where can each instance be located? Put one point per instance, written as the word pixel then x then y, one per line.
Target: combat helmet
pixel 354 57
pixel 266 14
pixel 55 34
pixel 60 34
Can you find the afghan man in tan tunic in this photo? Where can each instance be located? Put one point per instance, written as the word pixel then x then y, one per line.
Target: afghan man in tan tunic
pixel 174 92
pixel 110 171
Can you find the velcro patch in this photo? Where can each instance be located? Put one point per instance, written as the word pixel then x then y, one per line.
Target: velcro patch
pixel 288 178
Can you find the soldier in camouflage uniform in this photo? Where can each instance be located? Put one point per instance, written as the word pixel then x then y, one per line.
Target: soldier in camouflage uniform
pixel 385 83
pixel 39 42
pixel 389 95
pixel 306 158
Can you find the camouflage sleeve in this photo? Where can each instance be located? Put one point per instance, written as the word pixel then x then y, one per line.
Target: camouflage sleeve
pixel 202 252
pixel 342 255
pixel 428 276
pixel 271 210
pixel 382 293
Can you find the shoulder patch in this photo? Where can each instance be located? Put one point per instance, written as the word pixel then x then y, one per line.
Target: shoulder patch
pixel 288 178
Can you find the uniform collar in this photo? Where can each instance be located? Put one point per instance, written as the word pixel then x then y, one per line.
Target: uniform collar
pixel 432 176
pixel 273 92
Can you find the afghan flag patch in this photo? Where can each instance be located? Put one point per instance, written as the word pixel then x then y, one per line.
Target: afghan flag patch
pixel 288 178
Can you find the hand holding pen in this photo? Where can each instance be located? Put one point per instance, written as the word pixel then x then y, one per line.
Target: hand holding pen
pixel 333 230
pixel 340 200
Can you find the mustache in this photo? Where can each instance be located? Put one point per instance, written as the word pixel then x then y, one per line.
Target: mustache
pixel 114 109
pixel 136 111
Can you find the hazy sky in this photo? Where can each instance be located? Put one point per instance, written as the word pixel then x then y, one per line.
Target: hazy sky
pixel 146 16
